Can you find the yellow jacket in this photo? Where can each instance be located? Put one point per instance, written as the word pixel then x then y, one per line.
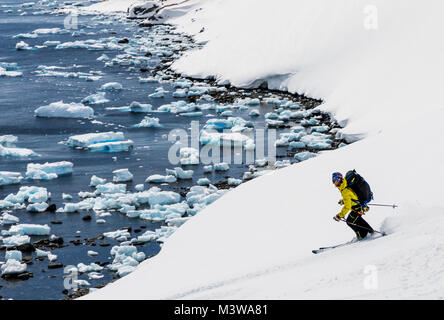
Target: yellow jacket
pixel 348 195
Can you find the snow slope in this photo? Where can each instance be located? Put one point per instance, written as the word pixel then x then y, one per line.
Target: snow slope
pixel 384 85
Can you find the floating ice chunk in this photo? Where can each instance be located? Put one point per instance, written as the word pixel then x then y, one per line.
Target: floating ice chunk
pixel 7 219
pixel 117 146
pixel 13 254
pixel 317 141
pixel 159 93
pixel 85 140
pixel 122 175
pixel 103 57
pixel 282 163
pixel 95 181
pixel 25 36
pixel 65 110
pixel 117 234
pixel 13 266
pixel 8 140
pixel 8 152
pixel 183 174
pixel 96 98
pixel 22 46
pixel 322 129
pixel 51 43
pixel 66 196
pixel 208 168
pixel 254 113
pixel 111 86
pixel 16 240
pixel 41 253
pixel 148 80
pixel 296 145
pixel 95 275
pixel 148 122
pixel 58 168
pixel 36 174
pixel 81 283
pixel 222 166
pixel 29 230
pixel 37 207
pixel 154 196
pixel 139 107
pixel 123 250
pixel 111 188
pixel 157 178
pixel 147 236
pixel 234 182
pixel 89 268
pixel 203 182
pixel 50 31
pixel 139 187
pixel 260 162
pixel 180 93
pixel 189 156
pixel 7 178
pixel 302 156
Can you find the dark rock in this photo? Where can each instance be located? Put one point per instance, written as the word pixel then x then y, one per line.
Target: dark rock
pixel 58 240
pixel 27 258
pixel 52 276
pixel 78 293
pixel 65 291
pixel 127 228
pixel 26 247
pixel 124 40
pixel 56 222
pixel 148 54
pixel 144 70
pixel 55 265
pixel 86 218
pixel 142 227
pixel 51 208
pixel 101 237
pixel 20 276
pixel 104 244
pixel 137 230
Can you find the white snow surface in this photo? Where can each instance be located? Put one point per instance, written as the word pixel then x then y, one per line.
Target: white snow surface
pixel 384 86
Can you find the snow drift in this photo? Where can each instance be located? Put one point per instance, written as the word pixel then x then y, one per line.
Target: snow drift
pixel 382 84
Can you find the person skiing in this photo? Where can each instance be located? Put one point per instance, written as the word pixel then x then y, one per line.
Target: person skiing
pixel 351 204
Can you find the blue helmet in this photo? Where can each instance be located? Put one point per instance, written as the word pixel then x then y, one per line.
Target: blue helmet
pixel 336 177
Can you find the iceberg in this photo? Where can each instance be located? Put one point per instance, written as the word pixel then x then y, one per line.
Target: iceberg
pixel 29 230
pixel 95 181
pixel 111 86
pixel 16 240
pixel 13 266
pixel 7 178
pixel 8 140
pixel 111 188
pixel 102 142
pixel 22 46
pixel 57 168
pixel 302 156
pixel 117 146
pixel 157 178
pixel 222 166
pixel 37 207
pixel 122 175
pixel 65 110
pixel 96 98
pixel 13 254
pixel 183 174
pixel 148 122
pixel 10 152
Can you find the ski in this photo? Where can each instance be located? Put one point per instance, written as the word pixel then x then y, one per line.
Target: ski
pixel 323 249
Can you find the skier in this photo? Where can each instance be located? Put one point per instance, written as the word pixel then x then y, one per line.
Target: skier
pixel 351 203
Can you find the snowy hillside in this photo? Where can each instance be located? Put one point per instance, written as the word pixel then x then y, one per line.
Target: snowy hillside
pixel 383 85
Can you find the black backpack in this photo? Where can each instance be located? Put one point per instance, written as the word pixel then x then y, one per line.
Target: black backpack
pixel 359 186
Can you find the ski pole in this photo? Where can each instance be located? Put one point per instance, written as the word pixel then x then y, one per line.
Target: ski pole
pixel 383 205
pixel 383 233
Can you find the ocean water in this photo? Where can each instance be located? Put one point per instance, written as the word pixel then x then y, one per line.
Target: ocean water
pixel 20 96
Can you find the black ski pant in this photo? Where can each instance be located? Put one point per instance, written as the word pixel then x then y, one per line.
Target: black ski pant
pixel 358 224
